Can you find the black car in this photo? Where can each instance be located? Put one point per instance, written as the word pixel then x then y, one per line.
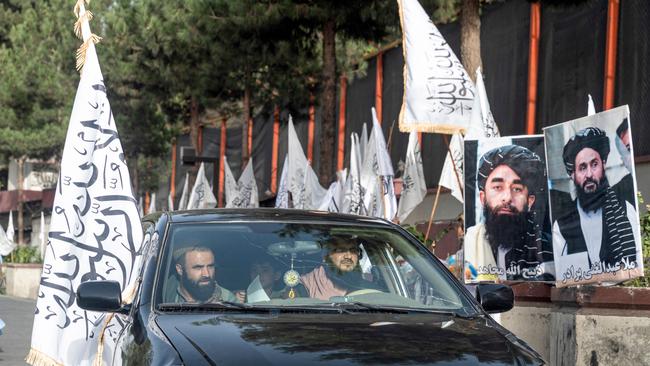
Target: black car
pixel 290 287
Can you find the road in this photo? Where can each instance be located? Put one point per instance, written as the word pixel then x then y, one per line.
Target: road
pixel 18 315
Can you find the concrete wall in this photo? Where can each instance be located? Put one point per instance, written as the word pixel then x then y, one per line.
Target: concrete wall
pixel 591 326
pixel 532 323
pixel 22 280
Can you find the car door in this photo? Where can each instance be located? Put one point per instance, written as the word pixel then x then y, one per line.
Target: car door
pixel 128 348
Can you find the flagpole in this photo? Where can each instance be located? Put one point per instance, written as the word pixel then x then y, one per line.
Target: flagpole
pixel 390 136
pixel 433 212
pixel 435 202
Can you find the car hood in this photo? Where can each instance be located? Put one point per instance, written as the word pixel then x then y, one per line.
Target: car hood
pixel 341 339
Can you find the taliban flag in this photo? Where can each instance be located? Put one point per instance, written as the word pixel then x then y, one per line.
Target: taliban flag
pixel 377 175
pixel 6 246
pixel 201 196
pixel 334 196
pixel 298 178
pixel 282 198
pixel 10 227
pixel 415 187
pixel 185 195
pixel 481 125
pixel 354 193
pixel 95 231
pixel 152 204
pixel 243 193
pixel 438 92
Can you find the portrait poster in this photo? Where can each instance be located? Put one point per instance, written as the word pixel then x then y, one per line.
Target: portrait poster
pixel 507 226
pixel 594 208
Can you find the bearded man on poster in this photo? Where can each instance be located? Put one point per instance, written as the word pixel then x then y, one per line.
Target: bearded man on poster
pixel 510 244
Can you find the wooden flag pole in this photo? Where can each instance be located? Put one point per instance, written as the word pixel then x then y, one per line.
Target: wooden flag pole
pixel 433 212
pixel 435 202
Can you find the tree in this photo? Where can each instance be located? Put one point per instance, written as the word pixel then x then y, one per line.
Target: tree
pixel 368 21
pixel 37 82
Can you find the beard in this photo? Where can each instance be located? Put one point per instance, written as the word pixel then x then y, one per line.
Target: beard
pixel 344 279
pixel 506 231
pixel 592 201
pixel 200 292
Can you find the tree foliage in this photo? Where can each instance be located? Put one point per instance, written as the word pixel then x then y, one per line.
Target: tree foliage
pixel 37 77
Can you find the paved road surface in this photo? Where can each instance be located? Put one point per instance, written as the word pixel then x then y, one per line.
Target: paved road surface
pixel 18 315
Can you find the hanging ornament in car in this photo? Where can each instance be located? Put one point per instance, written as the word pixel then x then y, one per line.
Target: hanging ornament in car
pixel 291 278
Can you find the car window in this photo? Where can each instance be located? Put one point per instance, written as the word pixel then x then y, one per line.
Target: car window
pixel 291 264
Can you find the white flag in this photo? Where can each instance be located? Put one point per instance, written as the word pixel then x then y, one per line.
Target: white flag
pixel 438 92
pixel 6 246
pixel 282 198
pixel 302 182
pixel 185 195
pixel 152 204
pixel 201 196
pixel 591 110
pixel 10 227
pixel 363 141
pixel 449 178
pixel 244 193
pixel 229 185
pixel 334 196
pixel 95 231
pixel 414 186
pixel 377 175
pixel 170 202
pixel 482 124
pixel 41 236
pixel 354 193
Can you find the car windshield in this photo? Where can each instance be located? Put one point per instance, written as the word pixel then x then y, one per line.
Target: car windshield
pixel 301 265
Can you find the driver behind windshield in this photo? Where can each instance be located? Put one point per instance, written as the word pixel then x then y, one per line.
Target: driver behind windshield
pixel 197 282
pixel 340 273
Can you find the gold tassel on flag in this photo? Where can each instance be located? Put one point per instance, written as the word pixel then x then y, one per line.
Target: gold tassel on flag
pixel 81 52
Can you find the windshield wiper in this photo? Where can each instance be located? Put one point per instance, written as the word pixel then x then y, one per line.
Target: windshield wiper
pixel 356 305
pixel 218 305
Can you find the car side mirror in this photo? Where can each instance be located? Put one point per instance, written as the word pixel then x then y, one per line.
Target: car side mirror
pixel 495 297
pixel 102 296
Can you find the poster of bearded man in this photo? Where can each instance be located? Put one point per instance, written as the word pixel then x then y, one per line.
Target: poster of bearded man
pixel 594 209
pixel 507 226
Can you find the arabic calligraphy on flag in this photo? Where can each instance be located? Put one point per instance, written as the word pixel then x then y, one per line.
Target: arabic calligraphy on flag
pixel 438 93
pixel 95 231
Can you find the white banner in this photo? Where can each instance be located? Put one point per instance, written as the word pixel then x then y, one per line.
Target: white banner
pixel 243 193
pixel 438 92
pixel 6 246
pixel 201 196
pixel 185 195
pixel 301 180
pixel 413 183
pixel 282 198
pixel 377 175
pixel 354 193
pixel 152 204
pixel 95 231
pixel 10 227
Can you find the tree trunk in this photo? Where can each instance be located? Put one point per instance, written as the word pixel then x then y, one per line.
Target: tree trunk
pixel 21 182
pixel 470 36
pixel 194 124
pixel 328 103
pixel 244 128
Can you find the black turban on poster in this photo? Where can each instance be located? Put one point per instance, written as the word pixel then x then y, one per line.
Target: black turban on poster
pixel 525 163
pixel 590 137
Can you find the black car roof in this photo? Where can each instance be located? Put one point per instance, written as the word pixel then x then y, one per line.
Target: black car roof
pixel 271 214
